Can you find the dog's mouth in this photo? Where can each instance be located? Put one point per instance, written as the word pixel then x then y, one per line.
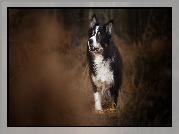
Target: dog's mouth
pixel 94 48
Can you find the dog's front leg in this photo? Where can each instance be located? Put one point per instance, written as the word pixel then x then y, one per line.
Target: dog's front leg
pixel 97 100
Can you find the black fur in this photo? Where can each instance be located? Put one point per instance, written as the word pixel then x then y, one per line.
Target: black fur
pixel 110 52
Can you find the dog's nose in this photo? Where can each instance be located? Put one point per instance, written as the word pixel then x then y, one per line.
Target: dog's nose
pixel 90 41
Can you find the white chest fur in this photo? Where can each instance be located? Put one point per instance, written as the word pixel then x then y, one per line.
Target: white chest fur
pixel 104 76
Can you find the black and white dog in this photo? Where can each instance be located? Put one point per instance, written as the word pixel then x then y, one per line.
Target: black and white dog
pixel 105 63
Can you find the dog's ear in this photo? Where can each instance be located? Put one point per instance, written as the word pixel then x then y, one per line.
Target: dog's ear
pixel 108 26
pixel 94 21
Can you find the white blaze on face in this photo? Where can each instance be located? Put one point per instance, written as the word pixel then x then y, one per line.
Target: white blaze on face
pixel 97 99
pixel 94 38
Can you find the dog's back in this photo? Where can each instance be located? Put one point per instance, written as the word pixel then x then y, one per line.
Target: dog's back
pixel 105 63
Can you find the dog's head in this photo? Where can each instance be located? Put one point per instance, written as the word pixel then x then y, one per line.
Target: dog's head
pixel 99 36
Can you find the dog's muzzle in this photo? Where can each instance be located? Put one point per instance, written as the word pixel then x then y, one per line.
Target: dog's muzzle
pixel 91 47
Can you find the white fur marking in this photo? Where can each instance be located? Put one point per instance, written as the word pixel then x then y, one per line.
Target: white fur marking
pixel 94 38
pixel 97 99
pixel 104 77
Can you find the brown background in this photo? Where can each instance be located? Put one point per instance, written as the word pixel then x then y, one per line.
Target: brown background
pixel 48 80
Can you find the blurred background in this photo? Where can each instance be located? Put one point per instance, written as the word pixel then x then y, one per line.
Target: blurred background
pixel 49 83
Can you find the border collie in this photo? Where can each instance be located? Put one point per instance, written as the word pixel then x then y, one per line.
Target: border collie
pixel 105 64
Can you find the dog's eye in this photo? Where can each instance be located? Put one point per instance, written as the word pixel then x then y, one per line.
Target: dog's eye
pixel 93 32
pixel 99 35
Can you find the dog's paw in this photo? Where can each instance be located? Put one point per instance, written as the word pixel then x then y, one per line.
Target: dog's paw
pixel 99 112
